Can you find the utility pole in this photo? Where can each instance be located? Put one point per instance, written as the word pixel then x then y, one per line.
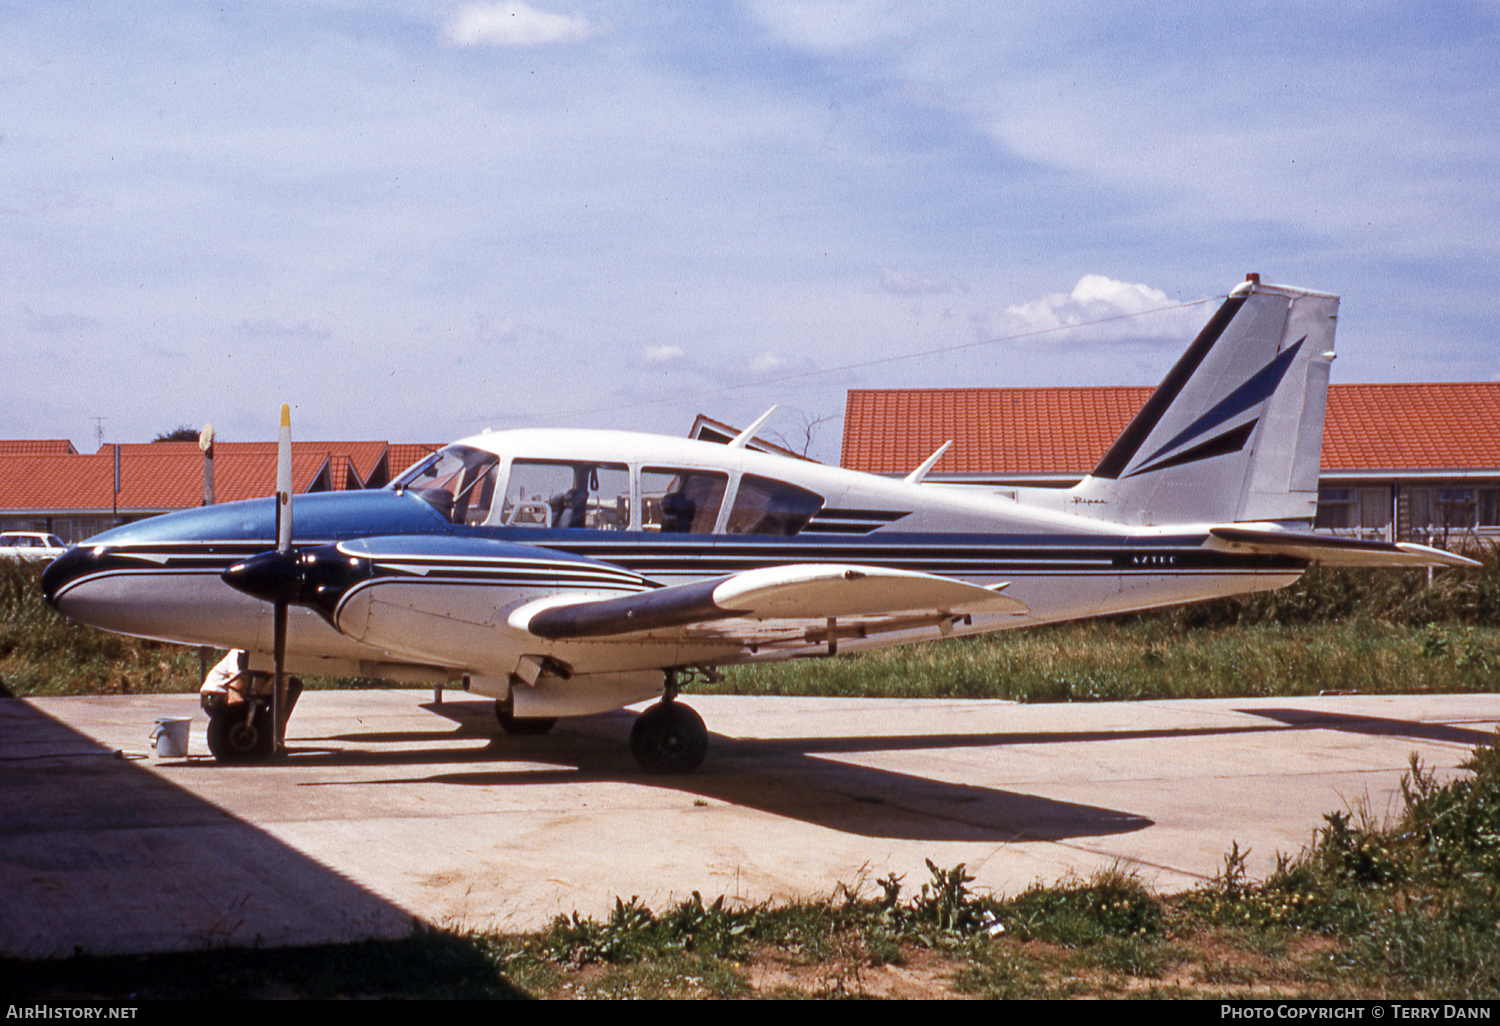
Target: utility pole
pixel 206 443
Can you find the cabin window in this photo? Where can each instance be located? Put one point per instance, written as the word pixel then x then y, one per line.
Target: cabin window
pixel 764 506
pixel 458 482
pixel 681 501
pixel 570 495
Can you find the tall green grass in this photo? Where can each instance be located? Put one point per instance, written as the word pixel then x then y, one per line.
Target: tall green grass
pixel 1113 661
pixel 41 653
pixel 1378 631
pixel 1459 595
pixel 1382 631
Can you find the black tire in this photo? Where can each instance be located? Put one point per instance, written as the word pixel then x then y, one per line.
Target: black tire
pixel 669 738
pixel 532 727
pixel 232 740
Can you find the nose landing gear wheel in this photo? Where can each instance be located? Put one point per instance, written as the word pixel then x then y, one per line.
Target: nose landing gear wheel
pixel 669 738
pixel 231 738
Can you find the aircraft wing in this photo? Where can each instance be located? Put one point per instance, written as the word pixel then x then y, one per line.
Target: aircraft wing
pixel 1333 551
pixel 813 593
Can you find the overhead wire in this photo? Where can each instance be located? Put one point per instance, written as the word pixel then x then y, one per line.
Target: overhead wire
pixel 763 382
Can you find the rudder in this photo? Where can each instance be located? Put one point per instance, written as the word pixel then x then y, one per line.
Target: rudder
pixel 1235 430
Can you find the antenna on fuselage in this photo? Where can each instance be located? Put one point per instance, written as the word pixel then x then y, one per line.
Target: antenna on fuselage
pixel 915 477
pixel 743 438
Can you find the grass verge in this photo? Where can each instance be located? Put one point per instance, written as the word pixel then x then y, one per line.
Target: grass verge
pixel 1406 909
pixel 1368 631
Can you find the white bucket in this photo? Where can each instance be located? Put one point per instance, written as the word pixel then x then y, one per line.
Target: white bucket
pixel 170 736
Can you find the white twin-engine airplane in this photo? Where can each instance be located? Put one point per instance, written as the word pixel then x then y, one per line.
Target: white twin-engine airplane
pixel 568 572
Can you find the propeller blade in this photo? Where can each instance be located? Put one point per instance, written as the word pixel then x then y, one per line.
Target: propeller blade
pixel 284 551
pixel 278 697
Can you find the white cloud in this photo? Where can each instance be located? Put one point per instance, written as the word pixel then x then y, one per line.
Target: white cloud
pixel 515 24
pixel 663 354
pixel 830 25
pixel 271 327
pixel 1100 308
pixel 765 363
pixel 58 323
pixel 902 283
pixel 508 331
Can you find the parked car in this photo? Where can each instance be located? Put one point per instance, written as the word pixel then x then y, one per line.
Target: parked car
pixel 30 545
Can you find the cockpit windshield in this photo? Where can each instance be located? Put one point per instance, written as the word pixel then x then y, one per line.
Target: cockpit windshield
pixel 457 481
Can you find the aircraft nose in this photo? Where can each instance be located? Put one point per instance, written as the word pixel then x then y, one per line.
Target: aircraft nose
pixel 65 571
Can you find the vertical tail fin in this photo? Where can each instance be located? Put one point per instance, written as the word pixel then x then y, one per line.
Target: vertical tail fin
pixel 1235 430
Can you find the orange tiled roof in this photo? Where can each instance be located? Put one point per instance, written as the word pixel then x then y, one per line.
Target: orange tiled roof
pixel 363 457
pixel 994 430
pixel 1422 426
pixel 36 446
pixel 1066 430
pixel 403 454
pixel 53 476
pixel 151 478
pixel 51 481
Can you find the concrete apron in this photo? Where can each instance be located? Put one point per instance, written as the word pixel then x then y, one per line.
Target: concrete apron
pixel 390 809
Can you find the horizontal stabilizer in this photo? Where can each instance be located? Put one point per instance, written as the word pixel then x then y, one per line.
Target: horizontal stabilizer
pixel 800 592
pixel 1327 550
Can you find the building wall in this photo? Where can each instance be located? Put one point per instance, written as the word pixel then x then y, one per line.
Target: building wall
pixel 71 529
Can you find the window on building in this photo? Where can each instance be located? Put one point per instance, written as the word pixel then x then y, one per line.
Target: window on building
pixel 1455 508
pixel 1489 507
pixel 1366 510
pixel 1374 508
pixel 1336 509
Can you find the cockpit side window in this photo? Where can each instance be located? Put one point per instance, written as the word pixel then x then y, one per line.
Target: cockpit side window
pixel 764 506
pixel 589 495
pixel 681 501
pixel 458 482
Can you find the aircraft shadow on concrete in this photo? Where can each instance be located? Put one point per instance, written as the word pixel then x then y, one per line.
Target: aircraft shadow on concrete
pixel 1376 726
pixel 100 856
pixel 781 776
pixel 787 777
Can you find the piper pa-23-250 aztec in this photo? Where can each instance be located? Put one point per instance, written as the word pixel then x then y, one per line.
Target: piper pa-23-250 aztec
pixel 568 572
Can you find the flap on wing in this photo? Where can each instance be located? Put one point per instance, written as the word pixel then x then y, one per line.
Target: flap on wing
pixel 817 591
pixel 1333 551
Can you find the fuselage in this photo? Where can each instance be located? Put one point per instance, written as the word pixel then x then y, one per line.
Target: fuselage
pixel 506 518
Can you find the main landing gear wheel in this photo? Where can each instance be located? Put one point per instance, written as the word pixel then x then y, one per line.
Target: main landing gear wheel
pixel 669 738
pixel 522 726
pixel 233 738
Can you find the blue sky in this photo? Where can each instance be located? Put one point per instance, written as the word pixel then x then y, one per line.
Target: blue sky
pixel 416 220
